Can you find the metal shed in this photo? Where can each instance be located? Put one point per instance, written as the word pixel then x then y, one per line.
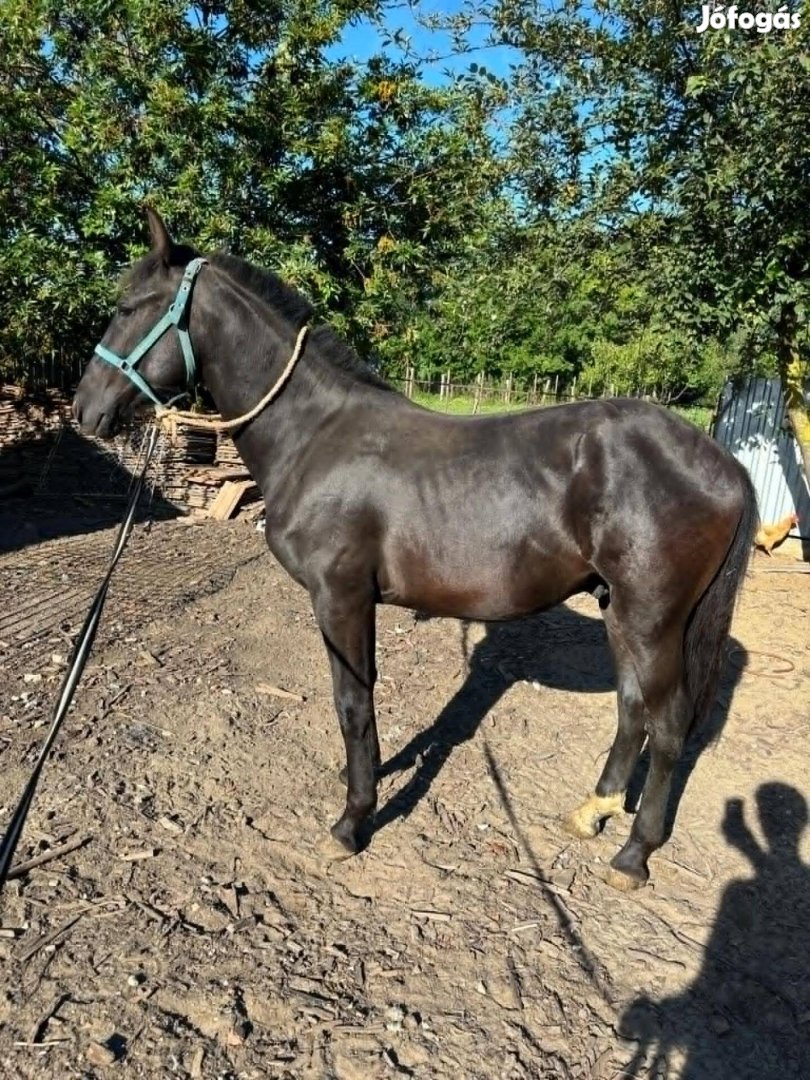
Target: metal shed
pixel 751 423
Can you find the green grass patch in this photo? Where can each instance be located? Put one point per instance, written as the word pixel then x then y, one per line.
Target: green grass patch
pixel 462 405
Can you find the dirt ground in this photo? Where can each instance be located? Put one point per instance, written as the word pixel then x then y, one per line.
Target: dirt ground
pixel 198 932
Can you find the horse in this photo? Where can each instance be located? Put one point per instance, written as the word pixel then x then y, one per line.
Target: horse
pixel 371 499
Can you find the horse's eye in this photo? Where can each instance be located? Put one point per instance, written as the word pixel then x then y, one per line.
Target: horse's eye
pixel 125 309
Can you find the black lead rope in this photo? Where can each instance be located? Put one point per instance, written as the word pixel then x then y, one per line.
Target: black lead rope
pixel 81 651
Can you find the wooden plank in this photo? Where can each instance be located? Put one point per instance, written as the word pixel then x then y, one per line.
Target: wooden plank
pixel 228 499
pixel 216 474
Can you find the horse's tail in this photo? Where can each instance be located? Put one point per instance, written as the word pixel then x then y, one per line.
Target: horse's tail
pixel 706 634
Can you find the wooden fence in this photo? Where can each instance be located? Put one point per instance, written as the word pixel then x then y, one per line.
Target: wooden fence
pixel 54 372
pixel 508 391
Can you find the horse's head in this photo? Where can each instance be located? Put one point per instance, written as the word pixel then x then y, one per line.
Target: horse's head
pixel 145 355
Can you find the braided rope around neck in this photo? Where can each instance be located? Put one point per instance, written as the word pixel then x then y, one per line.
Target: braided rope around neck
pixel 169 418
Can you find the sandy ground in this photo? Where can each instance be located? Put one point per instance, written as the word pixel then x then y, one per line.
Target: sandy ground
pixel 196 932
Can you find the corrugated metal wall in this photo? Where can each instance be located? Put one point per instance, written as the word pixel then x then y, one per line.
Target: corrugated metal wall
pixel 751 423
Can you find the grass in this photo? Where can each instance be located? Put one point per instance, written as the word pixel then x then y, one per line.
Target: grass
pixel 462 405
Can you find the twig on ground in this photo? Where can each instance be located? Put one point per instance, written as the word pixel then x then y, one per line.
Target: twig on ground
pixel 277 691
pixel 47 856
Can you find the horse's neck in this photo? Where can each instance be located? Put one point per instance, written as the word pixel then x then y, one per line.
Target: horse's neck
pixel 242 359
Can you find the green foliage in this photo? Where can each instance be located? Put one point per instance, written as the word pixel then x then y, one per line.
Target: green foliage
pixel 694 146
pixel 627 207
pixel 350 180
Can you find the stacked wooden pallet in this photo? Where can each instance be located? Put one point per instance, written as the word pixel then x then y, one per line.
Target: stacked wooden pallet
pixel 227 454
pixel 23 415
pixel 179 462
pixel 40 449
pixel 29 425
pixel 236 491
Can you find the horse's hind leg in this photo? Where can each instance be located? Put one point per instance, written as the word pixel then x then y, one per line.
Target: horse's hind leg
pixel 608 799
pixel 658 661
pixel 648 644
pixel 670 714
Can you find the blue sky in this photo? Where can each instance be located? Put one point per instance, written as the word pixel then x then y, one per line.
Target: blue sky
pixel 365 39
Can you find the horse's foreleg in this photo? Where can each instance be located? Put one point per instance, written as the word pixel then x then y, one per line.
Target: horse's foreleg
pixel 608 799
pixel 348 632
pixel 374 746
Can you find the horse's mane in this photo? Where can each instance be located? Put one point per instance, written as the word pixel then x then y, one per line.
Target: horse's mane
pixel 294 308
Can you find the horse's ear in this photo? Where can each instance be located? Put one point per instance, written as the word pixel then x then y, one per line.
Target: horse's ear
pixel 161 241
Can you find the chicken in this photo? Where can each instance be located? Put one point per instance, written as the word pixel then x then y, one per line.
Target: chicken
pixel 769 536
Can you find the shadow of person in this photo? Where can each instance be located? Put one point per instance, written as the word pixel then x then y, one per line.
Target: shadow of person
pixel 559 648
pixel 747 1014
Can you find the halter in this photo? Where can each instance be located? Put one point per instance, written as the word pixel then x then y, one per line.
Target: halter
pixel 177 317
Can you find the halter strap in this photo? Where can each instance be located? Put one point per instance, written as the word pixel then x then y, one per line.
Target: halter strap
pixel 177 317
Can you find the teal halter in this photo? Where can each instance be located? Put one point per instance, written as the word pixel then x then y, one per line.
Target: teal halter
pixel 177 317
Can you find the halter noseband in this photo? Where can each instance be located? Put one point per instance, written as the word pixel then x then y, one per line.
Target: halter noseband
pixel 177 317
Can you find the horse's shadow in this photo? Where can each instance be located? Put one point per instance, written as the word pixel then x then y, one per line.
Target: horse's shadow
pixel 560 649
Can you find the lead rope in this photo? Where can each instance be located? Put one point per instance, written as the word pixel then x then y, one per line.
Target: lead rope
pixel 8 845
pixel 168 418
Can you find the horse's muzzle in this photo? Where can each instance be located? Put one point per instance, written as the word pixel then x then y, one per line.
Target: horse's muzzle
pixel 93 421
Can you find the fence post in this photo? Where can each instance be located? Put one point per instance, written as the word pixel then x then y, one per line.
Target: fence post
pixel 444 386
pixel 479 389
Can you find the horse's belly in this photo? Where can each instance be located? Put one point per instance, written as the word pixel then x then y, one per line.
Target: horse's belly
pixel 479 588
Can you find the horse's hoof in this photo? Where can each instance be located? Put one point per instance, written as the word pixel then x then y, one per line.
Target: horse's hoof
pixel 332 849
pixel 582 826
pixel 624 881
pixel 584 821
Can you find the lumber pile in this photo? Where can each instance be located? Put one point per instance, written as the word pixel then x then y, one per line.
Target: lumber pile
pixel 177 464
pixel 42 450
pixel 229 497
pixel 220 488
pixel 25 414
pixel 26 421
pixel 227 454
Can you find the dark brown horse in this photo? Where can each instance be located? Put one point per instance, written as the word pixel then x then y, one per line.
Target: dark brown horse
pixel 371 499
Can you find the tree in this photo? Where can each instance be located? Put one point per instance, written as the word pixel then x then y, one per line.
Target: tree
pixel 344 177
pixel 695 144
